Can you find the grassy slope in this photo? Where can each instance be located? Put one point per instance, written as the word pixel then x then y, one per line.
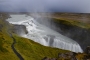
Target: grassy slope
pixel 72 22
pixel 27 48
pixel 6 52
pixel 33 51
pixel 80 20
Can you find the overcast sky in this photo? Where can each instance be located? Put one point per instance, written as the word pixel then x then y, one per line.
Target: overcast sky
pixel 82 6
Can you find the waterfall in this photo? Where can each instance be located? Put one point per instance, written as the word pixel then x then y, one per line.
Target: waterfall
pixel 44 35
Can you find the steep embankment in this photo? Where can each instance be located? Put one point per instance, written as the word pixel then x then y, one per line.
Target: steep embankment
pixel 75 26
pixel 28 49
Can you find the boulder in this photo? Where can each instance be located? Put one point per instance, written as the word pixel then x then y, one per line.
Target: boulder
pixel 61 55
pixel 46 58
pixel 87 51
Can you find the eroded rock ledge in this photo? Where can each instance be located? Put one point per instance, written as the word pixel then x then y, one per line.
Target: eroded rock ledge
pixel 19 29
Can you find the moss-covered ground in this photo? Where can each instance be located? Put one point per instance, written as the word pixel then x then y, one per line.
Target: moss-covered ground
pixel 31 50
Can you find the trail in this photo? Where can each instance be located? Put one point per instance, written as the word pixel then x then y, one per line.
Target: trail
pixel 15 51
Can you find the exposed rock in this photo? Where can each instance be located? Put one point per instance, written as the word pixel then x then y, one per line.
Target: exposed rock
pixel 87 51
pixel 86 57
pixel 69 55
pixel 61 55
pixel 19 29
pixel 46 58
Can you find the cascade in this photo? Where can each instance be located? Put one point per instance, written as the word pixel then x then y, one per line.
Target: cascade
pixel 44 35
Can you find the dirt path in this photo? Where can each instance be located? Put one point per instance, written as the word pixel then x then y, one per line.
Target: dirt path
pixel 13 48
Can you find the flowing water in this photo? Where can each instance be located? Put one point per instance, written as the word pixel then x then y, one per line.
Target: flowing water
pixel 44 35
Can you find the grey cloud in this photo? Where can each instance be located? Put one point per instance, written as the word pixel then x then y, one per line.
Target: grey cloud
pixel 45 5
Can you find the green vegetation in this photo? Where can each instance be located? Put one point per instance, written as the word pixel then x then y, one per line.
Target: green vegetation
pixel 72 22
pixel 77 19
pixel 6 53
pixel 33 51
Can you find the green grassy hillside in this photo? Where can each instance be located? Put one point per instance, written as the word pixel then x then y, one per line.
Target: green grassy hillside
pixel 77 19
pixel 6 52
pixel 72 22
pixel 31 50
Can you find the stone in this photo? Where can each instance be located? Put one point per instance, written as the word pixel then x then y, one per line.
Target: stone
pixel 87 51
pixel 45 58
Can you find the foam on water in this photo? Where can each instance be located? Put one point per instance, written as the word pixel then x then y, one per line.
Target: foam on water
pixel 43 34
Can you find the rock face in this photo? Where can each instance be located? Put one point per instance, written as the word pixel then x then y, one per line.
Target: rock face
pixel 63 56
pixel 69 55
pixel 19 29
pixel 87 51
pixel 76 33
pixel 72 56
pixel 49 58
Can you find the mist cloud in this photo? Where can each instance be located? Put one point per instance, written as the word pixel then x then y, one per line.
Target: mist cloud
pixel 45 6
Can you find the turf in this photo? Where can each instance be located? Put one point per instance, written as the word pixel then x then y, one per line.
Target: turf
pixel 31 50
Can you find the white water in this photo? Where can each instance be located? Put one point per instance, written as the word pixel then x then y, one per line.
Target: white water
pixel 44 35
